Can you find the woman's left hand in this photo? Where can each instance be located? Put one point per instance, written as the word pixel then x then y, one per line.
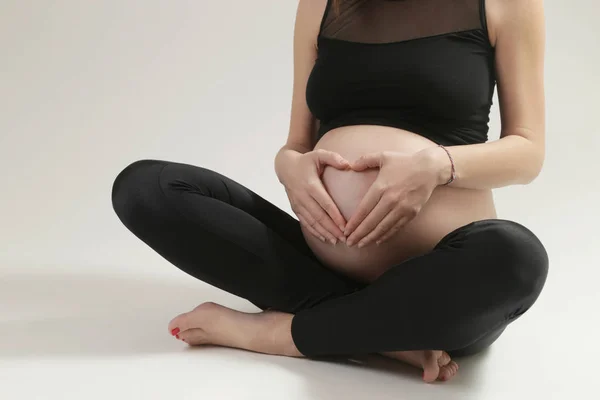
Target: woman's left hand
pixel 404 184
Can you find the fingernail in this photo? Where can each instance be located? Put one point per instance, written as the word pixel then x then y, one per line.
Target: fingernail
pixel 343 239
pixel 333 241
pixel 341 228
pixel 349 243
pixel 175 331
pixel 323 239
pixel 177 336
pixel 378 242
pixel 361 245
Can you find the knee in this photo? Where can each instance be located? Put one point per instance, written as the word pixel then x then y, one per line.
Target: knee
pixel 133 185
pixel 522 257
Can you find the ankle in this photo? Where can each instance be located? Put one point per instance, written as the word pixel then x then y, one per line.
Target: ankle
pixel 287 341
pixel 275 335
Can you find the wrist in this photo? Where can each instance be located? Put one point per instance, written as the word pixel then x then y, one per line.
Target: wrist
pixel 440 164
pixel 284 157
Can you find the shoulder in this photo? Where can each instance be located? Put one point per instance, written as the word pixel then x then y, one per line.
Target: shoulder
pixel 505 15
pixel 309 15
pixel 312 9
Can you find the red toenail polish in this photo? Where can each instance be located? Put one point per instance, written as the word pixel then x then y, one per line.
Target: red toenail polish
pixel 175 331
pixel 177 336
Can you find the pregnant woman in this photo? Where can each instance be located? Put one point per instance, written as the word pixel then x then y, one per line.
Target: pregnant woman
pixel 397 248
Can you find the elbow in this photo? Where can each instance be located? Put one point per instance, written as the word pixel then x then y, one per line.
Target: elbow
pixel 531 176
pixel 533 168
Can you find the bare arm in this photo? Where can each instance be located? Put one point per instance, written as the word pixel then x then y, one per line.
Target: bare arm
pixel 517 157
pixel 297 166
pixel 301 134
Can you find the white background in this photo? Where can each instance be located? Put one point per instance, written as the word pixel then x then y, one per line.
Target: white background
pixel 87 87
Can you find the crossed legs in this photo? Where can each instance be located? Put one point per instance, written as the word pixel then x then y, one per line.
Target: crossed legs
pixel 457 298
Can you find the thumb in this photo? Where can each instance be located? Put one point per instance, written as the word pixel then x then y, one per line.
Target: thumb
pixel 371 160
pixel 333 159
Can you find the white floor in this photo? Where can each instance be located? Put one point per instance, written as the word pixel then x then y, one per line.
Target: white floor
pixel 88 87
pixel 71 333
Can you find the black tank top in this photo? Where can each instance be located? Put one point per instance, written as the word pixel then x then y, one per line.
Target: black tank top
pixel 426 66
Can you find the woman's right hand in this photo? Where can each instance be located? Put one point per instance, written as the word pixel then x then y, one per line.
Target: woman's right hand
pixel 308 197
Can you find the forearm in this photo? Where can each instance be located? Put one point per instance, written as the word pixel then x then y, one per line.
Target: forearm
pixel 287 152
pixel 511 160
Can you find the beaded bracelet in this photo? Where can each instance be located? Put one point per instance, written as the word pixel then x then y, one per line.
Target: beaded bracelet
pixel 453 174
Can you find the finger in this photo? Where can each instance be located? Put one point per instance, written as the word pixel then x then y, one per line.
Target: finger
pixel 399 225
pixel 333 159
pixel 392 231
pixel 384 227
pixel 324 220
pixel 325 202
pixel 309 228
pixel 368 203
pixel 383 207
pixel 370 160
pixel 317 219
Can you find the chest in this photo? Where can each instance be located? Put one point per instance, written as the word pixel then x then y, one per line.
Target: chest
pixel 446 75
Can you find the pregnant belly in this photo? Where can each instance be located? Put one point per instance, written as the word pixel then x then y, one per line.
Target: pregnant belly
pixel 447 209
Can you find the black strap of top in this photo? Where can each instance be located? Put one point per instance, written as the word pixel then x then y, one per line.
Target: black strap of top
pixel 482 16
pixel 327 8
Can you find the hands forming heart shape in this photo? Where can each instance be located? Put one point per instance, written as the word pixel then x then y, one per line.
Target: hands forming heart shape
pixel 402 187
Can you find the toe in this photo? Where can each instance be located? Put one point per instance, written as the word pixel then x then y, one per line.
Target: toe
pixel 454 366
pixel 444 359
pixel 431 368
pixel 179 324
pixel 194 336
pixel 189 320
pixel 448 371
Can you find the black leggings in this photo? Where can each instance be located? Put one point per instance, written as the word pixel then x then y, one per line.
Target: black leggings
pixel 459 297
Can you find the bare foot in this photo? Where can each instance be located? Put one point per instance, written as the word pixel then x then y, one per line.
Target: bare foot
pixel 269 332
pixel 436 364
pixel 265 332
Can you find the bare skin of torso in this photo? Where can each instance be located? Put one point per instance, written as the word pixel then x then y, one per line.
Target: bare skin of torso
pixel 447 209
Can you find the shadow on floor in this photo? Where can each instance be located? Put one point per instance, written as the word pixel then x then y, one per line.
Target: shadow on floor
pixel 368 377
pixel 85 314
pixel 82 314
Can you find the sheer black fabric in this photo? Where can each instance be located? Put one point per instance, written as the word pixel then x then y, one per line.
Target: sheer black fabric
pixel 426 66
pixel 382 21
